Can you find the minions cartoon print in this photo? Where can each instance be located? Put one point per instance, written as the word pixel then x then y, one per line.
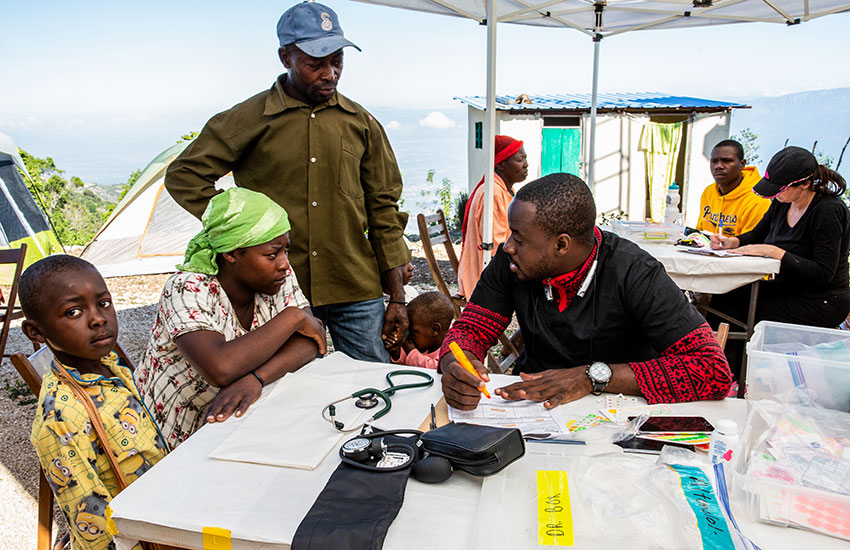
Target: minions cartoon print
pixel 130 416
pixel 90 521
pixel 95 392
pixel 59 474
pixel 48 407
pixel 63 432
pixel 133 464
pixel 92 437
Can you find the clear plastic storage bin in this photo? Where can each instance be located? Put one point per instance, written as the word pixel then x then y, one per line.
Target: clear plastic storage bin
pixel 782 357
pixel 647 232
pixel 767 497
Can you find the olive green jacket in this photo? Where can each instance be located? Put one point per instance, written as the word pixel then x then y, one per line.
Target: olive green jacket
pixel 330 166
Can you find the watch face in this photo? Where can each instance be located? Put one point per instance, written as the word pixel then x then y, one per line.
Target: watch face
pixel 599 372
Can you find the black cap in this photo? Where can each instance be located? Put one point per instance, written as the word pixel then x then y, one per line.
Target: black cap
pixel 790 165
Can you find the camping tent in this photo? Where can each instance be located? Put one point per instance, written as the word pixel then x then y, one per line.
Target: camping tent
pixel 147 232
pixel 21 221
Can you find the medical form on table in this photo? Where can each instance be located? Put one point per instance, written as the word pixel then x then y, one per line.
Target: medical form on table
pixel 529 416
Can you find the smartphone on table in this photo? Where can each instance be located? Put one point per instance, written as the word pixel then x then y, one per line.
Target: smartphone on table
pixel 675 424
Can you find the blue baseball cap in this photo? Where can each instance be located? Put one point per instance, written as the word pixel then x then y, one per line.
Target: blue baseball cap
pixel 313 27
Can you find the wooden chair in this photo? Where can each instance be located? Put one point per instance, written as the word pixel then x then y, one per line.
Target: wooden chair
pixel 434 231
pixel 8 310
pixel 722 334
pixel 32 370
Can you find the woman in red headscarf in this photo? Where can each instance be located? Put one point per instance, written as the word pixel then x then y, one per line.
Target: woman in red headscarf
pixel 511 167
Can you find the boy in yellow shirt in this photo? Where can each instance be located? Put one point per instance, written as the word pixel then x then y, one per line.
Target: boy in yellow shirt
pixel 729 206
pixel 69 308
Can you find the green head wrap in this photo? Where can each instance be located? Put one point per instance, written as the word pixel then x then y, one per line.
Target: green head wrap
pixel 236 218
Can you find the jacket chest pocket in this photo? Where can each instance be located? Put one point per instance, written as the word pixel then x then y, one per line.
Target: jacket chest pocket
pixel 349 167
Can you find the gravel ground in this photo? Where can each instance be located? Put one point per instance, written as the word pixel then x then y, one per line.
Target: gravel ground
pixel 135 300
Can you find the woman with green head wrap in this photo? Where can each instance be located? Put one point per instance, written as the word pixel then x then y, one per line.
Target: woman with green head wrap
pixel 230 321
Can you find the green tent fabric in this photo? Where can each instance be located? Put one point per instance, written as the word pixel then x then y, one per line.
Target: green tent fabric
pixel 660 144
pixel 21 221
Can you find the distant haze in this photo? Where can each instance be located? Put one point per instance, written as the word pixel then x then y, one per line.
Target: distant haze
pixel 424 139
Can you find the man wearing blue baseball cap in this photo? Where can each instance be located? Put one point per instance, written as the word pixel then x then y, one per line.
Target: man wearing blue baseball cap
pixel 328 162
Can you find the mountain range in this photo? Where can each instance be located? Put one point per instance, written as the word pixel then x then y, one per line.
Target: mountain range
pixel 801 118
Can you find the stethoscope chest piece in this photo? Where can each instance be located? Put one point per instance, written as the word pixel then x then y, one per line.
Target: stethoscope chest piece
pixel 367 401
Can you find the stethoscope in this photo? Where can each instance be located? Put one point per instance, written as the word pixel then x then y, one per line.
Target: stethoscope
pixel 367 398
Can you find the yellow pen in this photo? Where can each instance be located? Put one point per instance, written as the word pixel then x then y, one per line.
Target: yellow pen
pixel 464 362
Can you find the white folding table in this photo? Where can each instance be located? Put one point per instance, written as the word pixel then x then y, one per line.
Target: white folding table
pixel 261 506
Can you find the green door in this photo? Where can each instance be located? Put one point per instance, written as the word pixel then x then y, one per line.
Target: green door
pixel 561 151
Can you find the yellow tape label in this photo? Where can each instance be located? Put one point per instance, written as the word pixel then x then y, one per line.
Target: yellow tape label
pixel 110 525
pixel 554 516
pixel 216 538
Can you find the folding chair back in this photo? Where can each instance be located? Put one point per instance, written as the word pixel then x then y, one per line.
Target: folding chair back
pixel 434 231
pixel 32 370
pixel 8 310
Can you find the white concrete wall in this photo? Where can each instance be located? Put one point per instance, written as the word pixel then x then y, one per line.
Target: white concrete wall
pixel 620 173
pixel 707 130
pixel 525 127
pixel 529 129
pixel 635 203
pixel 475 157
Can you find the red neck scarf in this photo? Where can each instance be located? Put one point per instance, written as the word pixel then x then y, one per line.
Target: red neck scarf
pixel 567 285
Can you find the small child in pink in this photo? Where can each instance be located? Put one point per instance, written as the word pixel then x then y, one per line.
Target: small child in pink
pixel 430 315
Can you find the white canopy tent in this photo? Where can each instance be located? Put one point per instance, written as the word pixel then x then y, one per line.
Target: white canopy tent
pixel 600 19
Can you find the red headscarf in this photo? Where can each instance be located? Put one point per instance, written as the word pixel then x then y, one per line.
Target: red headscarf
pixel 506 147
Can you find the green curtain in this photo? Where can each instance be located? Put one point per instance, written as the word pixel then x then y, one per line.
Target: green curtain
pixel 660 143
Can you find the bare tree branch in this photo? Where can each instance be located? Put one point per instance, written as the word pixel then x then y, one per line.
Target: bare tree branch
pixel 841 156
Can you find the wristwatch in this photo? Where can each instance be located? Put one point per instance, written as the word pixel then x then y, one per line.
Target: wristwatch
pixel 600 374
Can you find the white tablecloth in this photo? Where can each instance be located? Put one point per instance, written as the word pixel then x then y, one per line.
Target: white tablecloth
pixel 263 505
pixel 710 274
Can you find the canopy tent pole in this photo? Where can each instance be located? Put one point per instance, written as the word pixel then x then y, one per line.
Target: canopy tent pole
pixel 490 130
pixel 597 39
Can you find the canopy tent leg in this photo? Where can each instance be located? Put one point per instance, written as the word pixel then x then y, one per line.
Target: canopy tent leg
pixel 597 40
pixel 490 130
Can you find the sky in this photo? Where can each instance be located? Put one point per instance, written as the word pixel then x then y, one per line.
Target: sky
pixel 98 84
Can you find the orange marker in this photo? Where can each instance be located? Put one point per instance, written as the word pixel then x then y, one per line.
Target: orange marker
pixel 464 362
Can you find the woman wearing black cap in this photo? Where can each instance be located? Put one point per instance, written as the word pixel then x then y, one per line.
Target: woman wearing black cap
pixel 807 228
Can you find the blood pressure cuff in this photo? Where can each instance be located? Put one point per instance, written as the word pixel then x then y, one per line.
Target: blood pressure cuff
pixel 478 450
pixel 353 511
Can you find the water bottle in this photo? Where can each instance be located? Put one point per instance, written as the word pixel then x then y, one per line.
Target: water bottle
pixel 724 442
pixel 671 211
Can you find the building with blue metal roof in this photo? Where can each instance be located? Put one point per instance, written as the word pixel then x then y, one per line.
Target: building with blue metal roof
pixel 634 101
pixel 644 142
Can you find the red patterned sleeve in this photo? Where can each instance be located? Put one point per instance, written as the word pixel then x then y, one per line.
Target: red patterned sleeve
pixel 692 369
pixel 476 330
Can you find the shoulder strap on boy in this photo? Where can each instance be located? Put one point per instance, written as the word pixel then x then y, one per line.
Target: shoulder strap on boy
pixel 94 417
pixel 99 429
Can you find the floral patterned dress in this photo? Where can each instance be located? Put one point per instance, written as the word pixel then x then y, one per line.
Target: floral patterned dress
pixel 176 394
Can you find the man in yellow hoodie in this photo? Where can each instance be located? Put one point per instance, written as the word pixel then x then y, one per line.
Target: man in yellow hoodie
pixel 729 206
